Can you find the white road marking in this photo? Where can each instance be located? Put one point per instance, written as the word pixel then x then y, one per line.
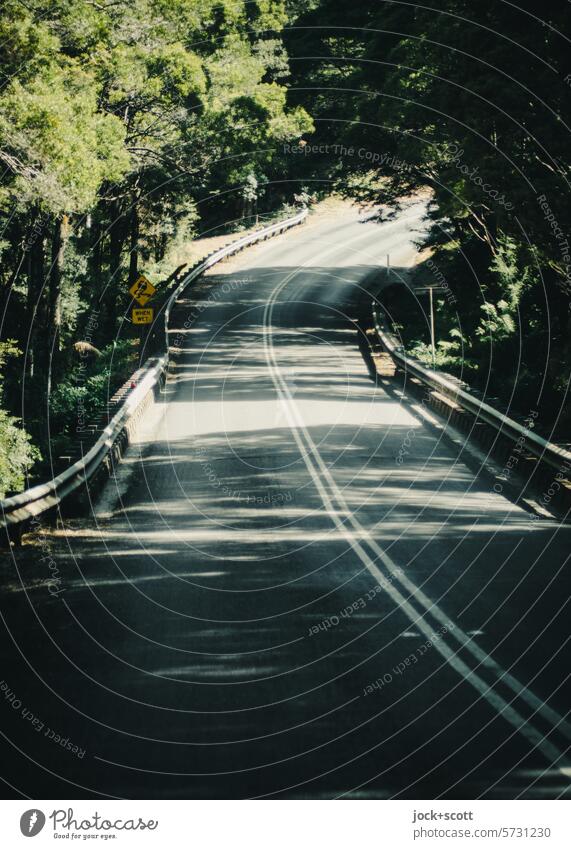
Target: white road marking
pixel 309 450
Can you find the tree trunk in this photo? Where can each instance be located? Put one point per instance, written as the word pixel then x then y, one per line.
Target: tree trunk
pixel 35 246
pixel 116 242
pixel 134 244
pixel 161 247
pixel 54 295
pixel 96 253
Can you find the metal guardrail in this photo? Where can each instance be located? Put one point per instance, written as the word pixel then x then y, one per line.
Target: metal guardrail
pixel 547 452
pixel 37 499
pixel 229 250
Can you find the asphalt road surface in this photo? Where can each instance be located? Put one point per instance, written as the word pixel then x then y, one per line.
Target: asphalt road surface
pixel 267 602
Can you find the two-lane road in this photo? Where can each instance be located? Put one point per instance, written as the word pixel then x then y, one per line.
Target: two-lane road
pixel 269 602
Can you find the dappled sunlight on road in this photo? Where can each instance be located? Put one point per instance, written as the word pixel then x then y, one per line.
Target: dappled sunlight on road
pixel 284 530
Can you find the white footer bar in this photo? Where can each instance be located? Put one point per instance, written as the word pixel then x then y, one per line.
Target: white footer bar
pixel 287 824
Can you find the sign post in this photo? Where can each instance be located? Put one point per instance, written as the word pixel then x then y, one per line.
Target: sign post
pixel 432 342
pixel 430 290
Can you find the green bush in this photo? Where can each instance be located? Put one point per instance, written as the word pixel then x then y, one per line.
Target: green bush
pixel 79 399
pixel 17 454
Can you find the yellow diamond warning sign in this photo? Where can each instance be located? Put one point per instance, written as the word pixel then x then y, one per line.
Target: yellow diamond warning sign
pixel 142 290
pixel 143 316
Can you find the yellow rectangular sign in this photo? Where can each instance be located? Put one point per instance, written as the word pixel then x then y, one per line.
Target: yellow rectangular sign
pixel 142 290
pixel 143 316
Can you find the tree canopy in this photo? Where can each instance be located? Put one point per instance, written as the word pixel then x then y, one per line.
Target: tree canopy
pixel 470 102
pixel 119 123
pixel 128 126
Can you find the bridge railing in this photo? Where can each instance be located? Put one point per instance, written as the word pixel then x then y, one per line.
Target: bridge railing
pixel 21 508
pixel 546 452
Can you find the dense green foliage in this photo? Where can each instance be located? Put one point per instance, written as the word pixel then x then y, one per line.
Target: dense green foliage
pixel 124 126
pixel 129 126
pixel 17 454
pixel 471 102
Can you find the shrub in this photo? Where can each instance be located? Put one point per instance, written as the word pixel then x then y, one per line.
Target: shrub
pixel 17 454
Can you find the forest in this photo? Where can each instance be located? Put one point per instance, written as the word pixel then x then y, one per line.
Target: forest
pixel 129 127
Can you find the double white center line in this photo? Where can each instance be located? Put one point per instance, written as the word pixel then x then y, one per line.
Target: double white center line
pixel 364 545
